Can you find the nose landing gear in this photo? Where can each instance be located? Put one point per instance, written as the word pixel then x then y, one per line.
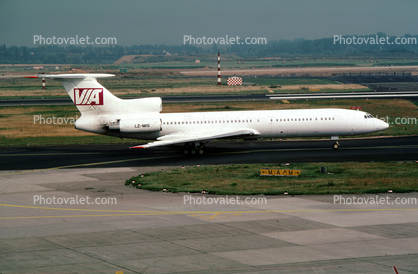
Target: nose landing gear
pixel 336 145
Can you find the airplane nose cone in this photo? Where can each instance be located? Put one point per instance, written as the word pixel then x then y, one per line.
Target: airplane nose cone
pixel 383 125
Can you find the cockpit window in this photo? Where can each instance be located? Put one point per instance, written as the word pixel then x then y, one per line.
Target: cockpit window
pixel 368 116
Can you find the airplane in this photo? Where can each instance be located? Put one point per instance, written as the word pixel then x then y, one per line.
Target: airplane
pixel 104 113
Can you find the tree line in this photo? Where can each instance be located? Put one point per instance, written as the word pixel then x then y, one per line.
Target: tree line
pixel 283 48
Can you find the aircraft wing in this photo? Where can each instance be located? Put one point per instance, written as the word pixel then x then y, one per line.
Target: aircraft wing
pixel 190 137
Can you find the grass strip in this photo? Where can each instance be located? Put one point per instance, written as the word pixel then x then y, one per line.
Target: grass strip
pixel 341 178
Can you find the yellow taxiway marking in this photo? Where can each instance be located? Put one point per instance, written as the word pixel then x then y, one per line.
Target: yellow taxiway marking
pixel 192 213
pixel 88 164
pixel 214 216
pixel 204 217
pixel 76 209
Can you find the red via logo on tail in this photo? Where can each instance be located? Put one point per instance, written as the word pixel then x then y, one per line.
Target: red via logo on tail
pixel 88 96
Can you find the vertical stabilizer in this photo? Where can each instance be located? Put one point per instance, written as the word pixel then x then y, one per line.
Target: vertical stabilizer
pixel 91 98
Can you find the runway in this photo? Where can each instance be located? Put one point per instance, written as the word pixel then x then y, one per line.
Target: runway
pixel 381 83
pixel 220 152
pixel 412 95
pixel 303 70
pixel 166 99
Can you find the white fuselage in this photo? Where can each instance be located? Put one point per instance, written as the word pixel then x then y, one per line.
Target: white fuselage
pixel 268 123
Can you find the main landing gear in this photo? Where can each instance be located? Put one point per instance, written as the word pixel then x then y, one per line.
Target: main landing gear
pixel 194 148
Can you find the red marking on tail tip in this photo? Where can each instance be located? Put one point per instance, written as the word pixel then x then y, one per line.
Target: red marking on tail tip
pixel 30 77
pixel 138 147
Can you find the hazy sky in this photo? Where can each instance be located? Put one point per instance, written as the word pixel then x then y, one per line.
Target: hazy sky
pixel 158 22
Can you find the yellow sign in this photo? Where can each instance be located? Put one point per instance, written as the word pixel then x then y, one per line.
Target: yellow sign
pixel 279 172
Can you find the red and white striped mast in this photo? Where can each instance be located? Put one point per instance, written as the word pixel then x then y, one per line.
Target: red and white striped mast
pixel 219 69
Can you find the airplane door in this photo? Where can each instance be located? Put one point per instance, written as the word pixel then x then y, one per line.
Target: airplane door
pixel 271 126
